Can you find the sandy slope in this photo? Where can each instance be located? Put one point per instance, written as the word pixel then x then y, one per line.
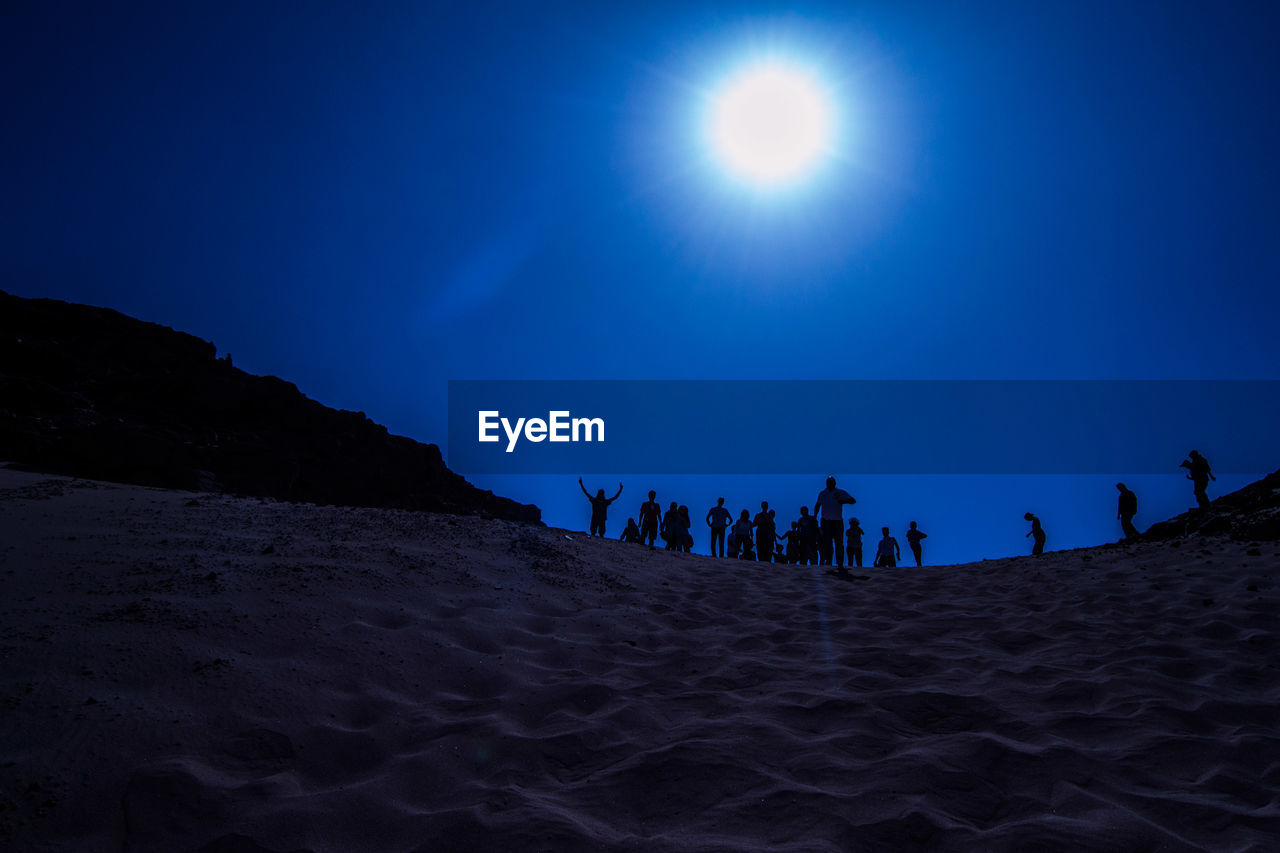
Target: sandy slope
pixel 185 672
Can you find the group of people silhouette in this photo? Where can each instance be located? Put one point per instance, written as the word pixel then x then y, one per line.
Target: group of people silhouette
pixel 820 538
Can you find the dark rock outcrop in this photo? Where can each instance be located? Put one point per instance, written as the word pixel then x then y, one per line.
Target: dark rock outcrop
pixel 1250 514
pixel 90 392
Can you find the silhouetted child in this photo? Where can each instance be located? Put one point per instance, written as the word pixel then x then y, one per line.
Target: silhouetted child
pixel 1037 531
pixel 888 553
pixel 599 507
pixel 853 542
pixel 1127 509
pixel 779 555
pixel 1199 474
pixel 650 517
pixel 718 519
pixel 914 535
pixel 792 538
pixel 632 533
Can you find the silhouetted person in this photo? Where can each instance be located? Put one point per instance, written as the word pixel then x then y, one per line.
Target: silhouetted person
pixel 829 507
pixel 599 507
pixel 1128 508
pixel 808 537
pixel 650 517
pixel 742 534
pixel 779 555
pixel 1037 531
pixel 632 533
pixel 670 529
pixel 766 529
pixel 914 535
pixel 888 553
pixel 685 544
pixel 718 519
pixel 792 538
pixel 1199 474
pixel 853 542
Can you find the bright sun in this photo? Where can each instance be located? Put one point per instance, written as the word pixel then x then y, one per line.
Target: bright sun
pixel 770 124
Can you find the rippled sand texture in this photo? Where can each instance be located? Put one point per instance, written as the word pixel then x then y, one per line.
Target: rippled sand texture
pixel 188 672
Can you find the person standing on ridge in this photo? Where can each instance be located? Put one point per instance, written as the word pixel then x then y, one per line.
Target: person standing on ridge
pixel 599 507
pixel 718 519
pixel 1038 532
pixel 670 529
pixel 853 542
pixel 888 553
pixel 685 544
pixel 1199 474
pixel 914 536
pixel 650 514
pixel 765 532
pixel 792 538
pixel 829 507
pixel 808 538
pixel 1128 508
pixel 742 534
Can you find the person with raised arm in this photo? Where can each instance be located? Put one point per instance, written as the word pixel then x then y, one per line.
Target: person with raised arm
pixel 829 508
pixel 793 546
pixel 914 535
pixel 1199 473
pixel 599 507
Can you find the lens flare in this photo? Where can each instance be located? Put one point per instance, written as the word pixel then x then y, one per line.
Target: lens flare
pixel 770 124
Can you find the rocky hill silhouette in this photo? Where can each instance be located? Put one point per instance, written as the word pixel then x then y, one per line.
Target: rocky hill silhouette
pixel 91 392
pixel 1251 513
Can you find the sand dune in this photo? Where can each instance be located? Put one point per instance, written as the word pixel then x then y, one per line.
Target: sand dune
pixel 186 671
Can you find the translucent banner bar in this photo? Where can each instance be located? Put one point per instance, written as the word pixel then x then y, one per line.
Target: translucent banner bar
pixel 857 426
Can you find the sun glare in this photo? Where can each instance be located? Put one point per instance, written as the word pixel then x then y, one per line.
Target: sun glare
pixel 770 125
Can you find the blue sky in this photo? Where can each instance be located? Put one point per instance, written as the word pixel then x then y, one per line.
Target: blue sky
pixel 371 199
